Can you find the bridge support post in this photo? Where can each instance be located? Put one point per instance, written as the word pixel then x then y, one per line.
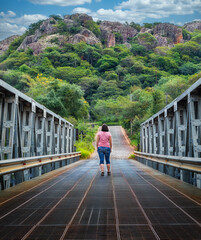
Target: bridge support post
pixel 185 176
pixel 171 171
pixel 161 167
pixel 47 168
pixel 155 165
pixel 57 165
pixel 37 171
pixel 26 174
pixel 19 177
pixel 6 180
pixel 198 180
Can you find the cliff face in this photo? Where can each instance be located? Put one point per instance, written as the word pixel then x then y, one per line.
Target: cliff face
pixel 111 33
pixel 167 34
pixel 193 26
pixel 109 28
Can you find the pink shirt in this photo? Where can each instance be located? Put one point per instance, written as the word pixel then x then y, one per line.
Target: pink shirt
pixel 104 139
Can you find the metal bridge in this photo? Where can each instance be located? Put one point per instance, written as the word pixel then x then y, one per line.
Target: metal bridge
pixel 171 139
pixel 38 139
pixel 75 202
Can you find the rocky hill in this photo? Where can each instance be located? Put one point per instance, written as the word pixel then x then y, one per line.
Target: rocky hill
pixel 6 42
pixel 81 28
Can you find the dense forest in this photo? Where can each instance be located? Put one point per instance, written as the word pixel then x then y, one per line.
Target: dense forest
pixel 122 84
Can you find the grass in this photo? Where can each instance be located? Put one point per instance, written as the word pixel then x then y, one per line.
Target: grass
pixel 132 156
pixel 85 144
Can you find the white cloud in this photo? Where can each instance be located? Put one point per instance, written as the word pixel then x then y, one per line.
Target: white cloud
pixel 9 14
pixel 166 7
pixel 138 10
pixel 62 3
pixel 28 19
pixel 116 15
pixel 7 30
pixel 12 25
pixel 81 10
pixel 196 20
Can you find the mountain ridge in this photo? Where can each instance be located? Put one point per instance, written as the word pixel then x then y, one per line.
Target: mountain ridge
pixel 56 31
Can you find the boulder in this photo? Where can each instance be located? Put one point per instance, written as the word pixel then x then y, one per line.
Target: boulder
pixel 84 36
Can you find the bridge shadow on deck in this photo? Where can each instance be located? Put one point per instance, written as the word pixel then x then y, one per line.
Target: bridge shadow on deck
pixel 75 202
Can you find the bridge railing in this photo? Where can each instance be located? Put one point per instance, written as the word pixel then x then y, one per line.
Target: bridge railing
pixel 14 171
pixel 187 169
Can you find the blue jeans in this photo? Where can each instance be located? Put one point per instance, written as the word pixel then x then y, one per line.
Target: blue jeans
pixel 104 151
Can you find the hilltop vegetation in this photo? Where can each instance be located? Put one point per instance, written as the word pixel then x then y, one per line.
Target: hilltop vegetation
pixel 79 68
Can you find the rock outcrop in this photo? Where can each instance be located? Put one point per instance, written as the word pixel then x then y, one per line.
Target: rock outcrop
pixel 172 33
pixel 6 43
pixel 81 18
pixel 196 25
pixel 109 28
pixel 84 36
pixel 47 41
pixel 46 28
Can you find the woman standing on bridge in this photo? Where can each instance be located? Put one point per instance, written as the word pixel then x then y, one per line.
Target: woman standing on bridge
pixel 104 147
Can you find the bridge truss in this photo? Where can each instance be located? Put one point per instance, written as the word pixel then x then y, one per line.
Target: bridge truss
pixel 176 129
pixel 29 129
pixel 171 139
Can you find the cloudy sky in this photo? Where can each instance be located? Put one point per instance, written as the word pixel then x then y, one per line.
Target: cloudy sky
pixel 17 15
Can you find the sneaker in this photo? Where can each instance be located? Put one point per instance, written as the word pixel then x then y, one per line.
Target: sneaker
pixel 102 174
pixel 108 173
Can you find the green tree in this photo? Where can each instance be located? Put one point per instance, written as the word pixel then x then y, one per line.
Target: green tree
pixel 174 86
pixel 94 27
pixel 189 68
pixel 197 38
pixel 186 34
pixel 129 80
pixel 136 26
pixel 72 75
pixel 190 48
pixel 137 49
pixel 107 63
pixel 33 27
pixel 159 101
pixel 108 89
pixel 110 75
pixel 89 86
pixel 56 17
pixel 118 37
pixel 146 39
pixel 33 72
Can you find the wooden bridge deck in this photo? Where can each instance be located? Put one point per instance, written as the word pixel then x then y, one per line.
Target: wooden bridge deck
pixel 75 202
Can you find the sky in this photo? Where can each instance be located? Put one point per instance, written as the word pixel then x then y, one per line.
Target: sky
pixel 17 15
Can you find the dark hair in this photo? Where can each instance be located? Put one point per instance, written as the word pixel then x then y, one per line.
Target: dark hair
pixel 105 128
